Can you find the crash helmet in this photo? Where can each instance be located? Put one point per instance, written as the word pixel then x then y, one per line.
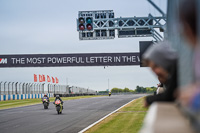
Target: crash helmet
pixel 45 95
pixel 57 96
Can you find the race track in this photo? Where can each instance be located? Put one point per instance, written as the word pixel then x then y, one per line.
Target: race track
pixel 77 115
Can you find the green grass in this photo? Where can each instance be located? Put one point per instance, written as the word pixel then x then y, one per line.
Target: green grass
pixel 25 102
pixel 127 120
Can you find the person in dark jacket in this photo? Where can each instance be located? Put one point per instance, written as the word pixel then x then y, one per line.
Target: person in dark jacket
pixel 163 62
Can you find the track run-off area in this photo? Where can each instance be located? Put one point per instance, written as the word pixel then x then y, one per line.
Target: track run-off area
pixel 77 115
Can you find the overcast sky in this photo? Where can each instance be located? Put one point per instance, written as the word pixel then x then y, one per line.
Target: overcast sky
pixel 49 26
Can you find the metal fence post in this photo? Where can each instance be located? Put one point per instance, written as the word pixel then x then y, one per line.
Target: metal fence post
pixel 23 88
pixel 16 88
pixel 20 88
pixel 30 88
pixel 0 87
pixel 54 88
pixel 12 87
pixel 26 88
pixel 48 88
pixel 38 90
pixel 5 87
pixel 34 88
pixel 9 88
pixel 43 87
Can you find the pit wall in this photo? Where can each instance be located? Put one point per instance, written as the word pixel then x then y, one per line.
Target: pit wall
pixel 23 96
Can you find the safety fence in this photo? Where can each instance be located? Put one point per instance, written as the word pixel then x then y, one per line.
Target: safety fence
pixel 23 96
pixel 22 90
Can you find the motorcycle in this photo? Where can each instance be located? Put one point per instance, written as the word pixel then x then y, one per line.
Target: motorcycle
pixel 58 105
pixel 45 102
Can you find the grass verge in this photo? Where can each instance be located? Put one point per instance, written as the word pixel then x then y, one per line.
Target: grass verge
pixel 129 119
pixel 26 102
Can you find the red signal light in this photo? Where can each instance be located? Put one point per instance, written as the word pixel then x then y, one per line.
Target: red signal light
pixel 89 27
pixel 81 27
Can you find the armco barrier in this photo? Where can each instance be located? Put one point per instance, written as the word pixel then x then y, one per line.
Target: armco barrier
pixel 23 96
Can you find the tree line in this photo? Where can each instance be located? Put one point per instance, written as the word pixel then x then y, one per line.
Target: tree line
pixel 139 89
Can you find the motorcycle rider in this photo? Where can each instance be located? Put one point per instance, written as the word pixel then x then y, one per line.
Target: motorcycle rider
pixel 58 97
pixel 45 96
pixel 110 93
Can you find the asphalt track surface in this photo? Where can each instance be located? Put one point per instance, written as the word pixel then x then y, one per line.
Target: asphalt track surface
pixel 77 115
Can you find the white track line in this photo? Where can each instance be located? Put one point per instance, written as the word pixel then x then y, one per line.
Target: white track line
pixel 85 129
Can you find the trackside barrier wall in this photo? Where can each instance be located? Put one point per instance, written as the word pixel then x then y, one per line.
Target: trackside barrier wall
pixel 10 90
pixel 23 96
pixel 22 90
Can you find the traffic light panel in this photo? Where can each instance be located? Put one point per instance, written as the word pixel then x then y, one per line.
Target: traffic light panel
pixel 85 22
pixel 86 27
